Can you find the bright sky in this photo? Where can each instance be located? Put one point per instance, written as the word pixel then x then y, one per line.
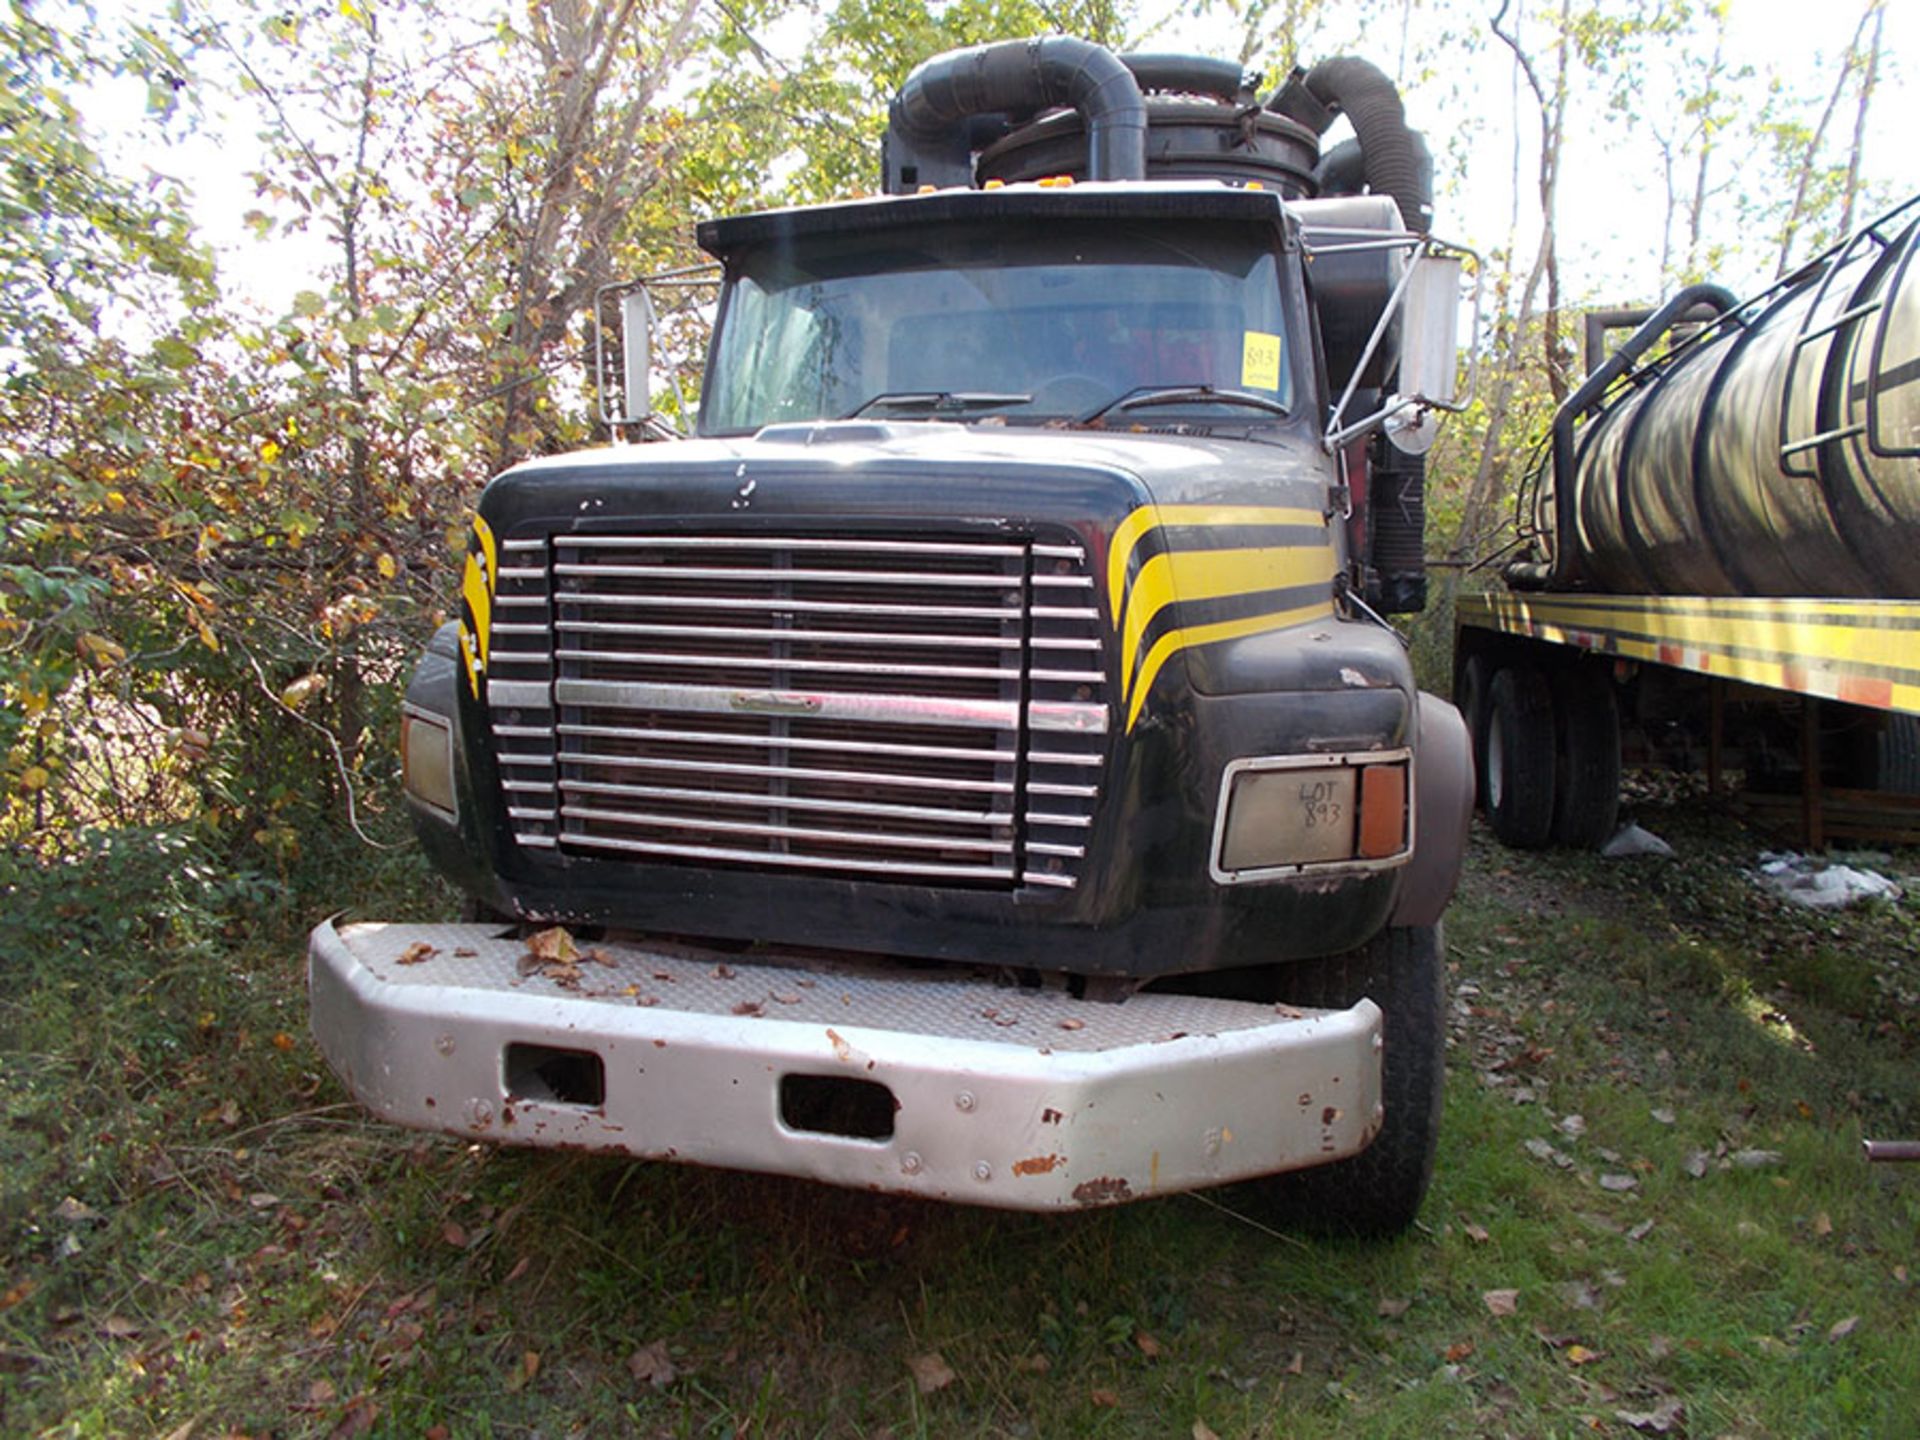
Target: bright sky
pixel 1611 199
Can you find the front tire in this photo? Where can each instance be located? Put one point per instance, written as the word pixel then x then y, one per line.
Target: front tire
pixel 1377 1193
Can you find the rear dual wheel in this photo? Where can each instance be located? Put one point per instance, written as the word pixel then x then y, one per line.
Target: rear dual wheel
pixel 1550 771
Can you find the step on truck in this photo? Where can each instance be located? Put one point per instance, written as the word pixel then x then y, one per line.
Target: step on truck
pixel 974 763
pixel 1722 563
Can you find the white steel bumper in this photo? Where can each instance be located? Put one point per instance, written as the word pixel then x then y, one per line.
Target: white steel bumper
pixel 1025 1099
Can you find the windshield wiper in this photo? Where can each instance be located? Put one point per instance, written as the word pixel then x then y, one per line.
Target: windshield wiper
pixel 1144 396
pixel 937 402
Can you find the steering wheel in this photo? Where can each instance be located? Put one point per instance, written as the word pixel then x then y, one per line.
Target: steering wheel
pixel 1072 393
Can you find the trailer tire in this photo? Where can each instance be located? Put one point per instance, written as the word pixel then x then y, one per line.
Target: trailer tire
pixel 1376 1193
pixel 1476 673
pixel 1586 780
pixel 1520 757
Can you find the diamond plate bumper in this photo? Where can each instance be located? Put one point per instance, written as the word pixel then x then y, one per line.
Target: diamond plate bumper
pixel 1018 1098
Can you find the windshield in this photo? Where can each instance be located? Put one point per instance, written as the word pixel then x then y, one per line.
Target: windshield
pixel 1011 321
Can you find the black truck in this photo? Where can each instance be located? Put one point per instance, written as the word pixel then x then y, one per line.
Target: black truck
pixel 975 764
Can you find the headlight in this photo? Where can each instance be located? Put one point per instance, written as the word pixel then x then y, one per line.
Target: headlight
pixel 426 759
pixel 1286 813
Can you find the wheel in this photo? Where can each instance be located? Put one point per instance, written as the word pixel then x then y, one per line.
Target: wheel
pixel 1586 777
pixel 1378 1192
pixel 1470 696
pixel 1881 752
pixel 1520 757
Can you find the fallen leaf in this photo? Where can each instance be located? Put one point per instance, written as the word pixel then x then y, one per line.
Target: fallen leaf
pixel 1501 1302
pixel 1660 1420
pixel 1757 1159
pixel 1476 1233
pixel 416 953
pixel 1659 1347
pixel 464 952
pixel 1619 1184
pixel 554 944
pixel 1823 1224
pixel 1573 1126
pixel 1203 1431
pixel 652 1365
pixel 723 972
pixel 747 1007
pixel 263 1200
pixel 1032 1364
pixel 522 1372
pixel 1581 1355
pixel 601 957
pixel 455 1234
pixel 1696 1165
pixel 1578 1295
pixel 1147 1345
pixel 1394 1309
pixel 1073 1024
pixel 361 1413
pixel 321 1392
pixel 120 1328
pixel 931 1372
pixel 1663 1116
pixel 74 1212
pixel 1297 1365
pixel 1459 1351
pixel 785 997
pixel 15 1294
pixel 520 1267
pixel 1843 1328
pixel 1104 1400
pixel 1641 1231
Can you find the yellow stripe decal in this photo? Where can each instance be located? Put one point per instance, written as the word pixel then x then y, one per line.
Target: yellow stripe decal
pixel 1800 645
pixel 1134 528
pixel 1179 576
pixel 478 583
pixel 1174 641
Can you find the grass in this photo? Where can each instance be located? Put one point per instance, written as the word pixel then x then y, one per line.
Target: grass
pixel 200 1237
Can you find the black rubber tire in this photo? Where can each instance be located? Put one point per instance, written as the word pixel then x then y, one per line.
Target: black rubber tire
pixel 1520 757
pixel 1471 698
pixel 1586 779
pixel 1377 1193
pixel 1882 752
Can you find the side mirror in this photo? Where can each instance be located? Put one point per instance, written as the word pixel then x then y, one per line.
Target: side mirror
pixel 1430 331
pixel 636 356
pixel 666 318
pixel 1426 303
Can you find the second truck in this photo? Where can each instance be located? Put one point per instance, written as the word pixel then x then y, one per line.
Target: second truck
pixel 975 763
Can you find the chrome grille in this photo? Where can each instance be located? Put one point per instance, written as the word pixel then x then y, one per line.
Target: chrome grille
pixel 895 708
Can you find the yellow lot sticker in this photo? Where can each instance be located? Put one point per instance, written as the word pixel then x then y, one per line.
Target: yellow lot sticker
pixel 1260 361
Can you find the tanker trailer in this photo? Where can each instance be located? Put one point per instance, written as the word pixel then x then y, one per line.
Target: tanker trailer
pixel 1724 561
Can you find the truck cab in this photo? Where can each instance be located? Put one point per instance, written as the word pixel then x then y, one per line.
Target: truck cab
pixel 981 713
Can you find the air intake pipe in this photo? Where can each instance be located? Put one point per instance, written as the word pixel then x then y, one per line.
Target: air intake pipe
pixel 1191 75
pixel 1390 151
pixel 930 124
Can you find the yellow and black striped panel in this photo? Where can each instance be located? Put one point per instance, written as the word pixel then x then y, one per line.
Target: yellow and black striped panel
pixel 1180 576
pixel 1862 652
pixel 478 584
